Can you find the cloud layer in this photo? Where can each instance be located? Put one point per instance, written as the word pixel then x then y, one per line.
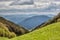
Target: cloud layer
pixel 23 2
pixel 30 5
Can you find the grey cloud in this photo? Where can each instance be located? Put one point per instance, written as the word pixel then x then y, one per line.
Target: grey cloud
pixel 57 0
pixel 7 0
pixel 19 2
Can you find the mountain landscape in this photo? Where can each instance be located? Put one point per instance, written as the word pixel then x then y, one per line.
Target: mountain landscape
pixel 29 19
pixel 48 30
pixel 29 22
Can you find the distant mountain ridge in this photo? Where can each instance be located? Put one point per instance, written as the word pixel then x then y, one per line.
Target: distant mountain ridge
pixel 32 22
pixel 17 18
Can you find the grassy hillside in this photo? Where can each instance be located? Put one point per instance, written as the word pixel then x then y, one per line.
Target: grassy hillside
pixel 2 38
pixel 50 32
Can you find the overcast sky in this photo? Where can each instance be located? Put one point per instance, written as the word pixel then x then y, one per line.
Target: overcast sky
pixel 50 5
pixel 26 3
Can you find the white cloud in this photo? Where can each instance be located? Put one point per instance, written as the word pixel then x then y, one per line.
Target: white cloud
pixel 7 0
pixel 5 4
pixel 28 13
pixel 37 3
pixel 22 2
pixel 44 5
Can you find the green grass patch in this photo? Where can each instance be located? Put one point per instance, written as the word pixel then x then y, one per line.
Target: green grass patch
pixel 50 32
pixel 3 38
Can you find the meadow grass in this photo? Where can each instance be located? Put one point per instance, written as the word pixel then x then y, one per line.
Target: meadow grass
pixel 50 32
pixel 3 38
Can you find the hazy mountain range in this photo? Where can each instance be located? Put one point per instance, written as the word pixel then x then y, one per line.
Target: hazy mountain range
pixel 29 22
pixel 33 22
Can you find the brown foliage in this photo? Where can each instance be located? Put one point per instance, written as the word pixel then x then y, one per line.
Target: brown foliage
pixel 4 32
pixel 10 29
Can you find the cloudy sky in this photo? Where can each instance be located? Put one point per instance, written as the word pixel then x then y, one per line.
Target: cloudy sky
pixel 30 5
pixel 20 4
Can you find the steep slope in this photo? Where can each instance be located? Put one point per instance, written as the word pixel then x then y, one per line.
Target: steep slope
pixel 50 32
pixel 12 27
pixel 33 22
pixel 51 21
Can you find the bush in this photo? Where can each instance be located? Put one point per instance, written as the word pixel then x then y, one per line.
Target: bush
pixel 58 20
pixel 4 32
